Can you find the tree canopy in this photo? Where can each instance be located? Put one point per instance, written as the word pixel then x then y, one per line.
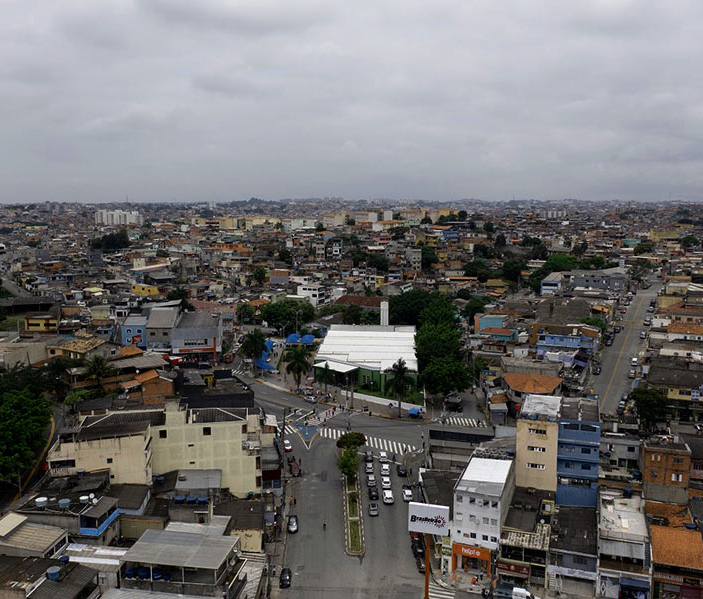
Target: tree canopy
pixel 650 403
pixel 111 242
pixel 282 314
pixel 353 440
pixel 180 293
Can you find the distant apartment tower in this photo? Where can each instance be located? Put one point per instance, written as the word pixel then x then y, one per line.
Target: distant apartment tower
pixel 118 217
pixel 537 442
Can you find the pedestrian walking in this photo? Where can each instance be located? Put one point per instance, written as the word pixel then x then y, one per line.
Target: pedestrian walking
pixel 295 501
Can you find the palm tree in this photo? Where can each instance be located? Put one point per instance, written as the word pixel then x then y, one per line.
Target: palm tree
pixel 298 362
pixel 326 375
pixel 253 346
pixel 99 368
pixel 399 381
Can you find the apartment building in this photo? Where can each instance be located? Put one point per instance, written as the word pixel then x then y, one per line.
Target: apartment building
pixel 578 453
pixel 666 467
pixel 118 217
pixel 537 442
pixel 482 498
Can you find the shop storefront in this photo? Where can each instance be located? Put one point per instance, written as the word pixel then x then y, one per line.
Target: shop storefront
pixel 669 586
pixel 516 574
pixel 468 558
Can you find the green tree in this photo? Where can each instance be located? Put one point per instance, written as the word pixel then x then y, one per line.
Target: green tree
pixel 399 381
pixel 348 463
pixel 24 417
pixel 377 261
pixel 651 404
pixel 426 221
pixel 594 321
pixel 690 241
pixel 512 269
pixel 443 375
pixel 111 242
pixel 298 362
pixel 643 247
pixel 99 368
pixel 284 313
pixel 476 304
pixel 439 309
pixel 246 312
pixel 253 346
pixel 161 253
pixel 428 258
pixel 499 241
pixel 475 368
pixel 406 307
pixel 352 314
pixel 325 375
pixel 580 248
pixel 320 227
pixel 352 440
pixel 477 268
pixel 462 215
pixel 489 227
pixel 284 255
pixel 437 340
pixel 182 294
pixel 259 275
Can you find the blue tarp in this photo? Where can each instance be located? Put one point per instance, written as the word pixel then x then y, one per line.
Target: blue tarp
pixel 261 362
pixel 414 411
pixel 307 339
pixel 293 338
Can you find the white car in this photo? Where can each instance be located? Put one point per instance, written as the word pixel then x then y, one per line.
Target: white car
pixel 287 445
pixel 386 482
pixel 388 497
pixel 634 362
pixel 643 334
pixel 385 469
pixel 383 457
pixel 407 495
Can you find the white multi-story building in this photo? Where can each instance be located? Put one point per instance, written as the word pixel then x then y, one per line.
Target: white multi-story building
pixel 118 217
pixel 481 502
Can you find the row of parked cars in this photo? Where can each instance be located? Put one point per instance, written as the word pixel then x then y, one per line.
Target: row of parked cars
pixel 385 479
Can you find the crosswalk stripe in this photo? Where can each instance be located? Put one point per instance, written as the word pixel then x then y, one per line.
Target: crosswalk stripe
pixel 387 445
pixel 438 592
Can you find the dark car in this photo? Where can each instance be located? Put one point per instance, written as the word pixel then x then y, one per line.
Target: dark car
pixel 292 524
pixel 285 579
pixel 373 493
pixel 608 341
pixel 368 456
pixel 418 549
pixel 294 469
pixel 420 563
pixel 401 470
pixel 616 328
pixel 597 370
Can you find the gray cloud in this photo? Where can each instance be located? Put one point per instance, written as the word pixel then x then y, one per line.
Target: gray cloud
pixel 224 100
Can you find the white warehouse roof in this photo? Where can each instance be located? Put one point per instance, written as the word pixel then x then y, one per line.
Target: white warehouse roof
pixel 371 347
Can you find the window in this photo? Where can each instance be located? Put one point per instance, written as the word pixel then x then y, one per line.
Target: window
pixel 494 540
pixel 109 460
pixel 494 504
pixel 571 426
pixel 678 460
pixel 494 522
pixel 163 434
pixel 472 535
pixel 585 466
pixel 192 463
pixel 536 448
pixel 653 473
pixel 537 431
pixel 207 431
pixel 486 503
pixel 129 331
pixel 631 449
pixel 535 466
pixel 472 500
pixel 486 520
pixel 459 499
pixel 589 428
pixel 484 537
pixel 191 444
pixel 677 478
pixel 152 334
pixel 585 450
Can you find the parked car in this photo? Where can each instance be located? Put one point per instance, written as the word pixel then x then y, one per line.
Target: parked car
pixel 632 374
pixel 368 456
pixel 310 399
pixel 647 322
pixel 294 469
pixel 417 549
pixel 368 468
pixel 388 497
pixel 373 509
pixel 373 493
pixel 401 470
pixel 650 309
pixel 285 579
pixel 370 480
pixel 407 494
pixel 287 445
pixel 420 563
pixel 386 482
pixel 608 341
pixel 597 370
pixel 292 524
pixel 383 457
pixel 385 469
pixel 643 334
pixel 634 362
pixel 616 328
pixel 624 397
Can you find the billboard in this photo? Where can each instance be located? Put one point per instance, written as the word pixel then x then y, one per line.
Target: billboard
pixel 428 518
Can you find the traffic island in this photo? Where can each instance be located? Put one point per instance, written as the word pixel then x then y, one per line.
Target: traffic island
pixel 353 519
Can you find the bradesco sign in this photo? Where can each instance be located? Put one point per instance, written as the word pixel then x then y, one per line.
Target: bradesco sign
pixel 429 519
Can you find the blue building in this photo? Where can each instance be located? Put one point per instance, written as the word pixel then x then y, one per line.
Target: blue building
pixel 560 337
pixel 577 453
pixel 133 331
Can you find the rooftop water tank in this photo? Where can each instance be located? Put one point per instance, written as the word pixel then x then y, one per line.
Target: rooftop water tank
pixel 64 559
pixel 64 503
pixel 191 499
pixel 84 499
pixel 160 480
pixel 53 573
pixel 179 499
pixel 42 501
pixel 203 500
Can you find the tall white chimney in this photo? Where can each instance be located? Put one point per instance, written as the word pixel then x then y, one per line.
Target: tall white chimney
pixel 384 313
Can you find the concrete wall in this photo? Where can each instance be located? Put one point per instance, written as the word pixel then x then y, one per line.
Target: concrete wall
pixel 525 476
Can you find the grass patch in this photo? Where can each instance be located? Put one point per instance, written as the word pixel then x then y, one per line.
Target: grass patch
pixel 353 504
pixel 10 323
pixel 354 535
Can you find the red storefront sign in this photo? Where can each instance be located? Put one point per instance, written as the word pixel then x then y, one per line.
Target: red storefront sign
pixel 513 569
pixel 475 552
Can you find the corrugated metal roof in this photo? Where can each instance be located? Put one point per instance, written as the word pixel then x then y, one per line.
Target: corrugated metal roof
pixel 180 549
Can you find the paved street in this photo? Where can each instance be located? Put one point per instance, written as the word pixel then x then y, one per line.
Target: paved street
pixel 613 381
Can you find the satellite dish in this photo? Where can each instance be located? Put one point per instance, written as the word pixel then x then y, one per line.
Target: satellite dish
pixel 92 495
pixel 95 502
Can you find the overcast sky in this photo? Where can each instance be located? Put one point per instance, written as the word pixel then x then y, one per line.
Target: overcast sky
pixel 440 99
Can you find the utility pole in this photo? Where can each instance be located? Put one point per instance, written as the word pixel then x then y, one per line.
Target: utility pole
pixel 427 566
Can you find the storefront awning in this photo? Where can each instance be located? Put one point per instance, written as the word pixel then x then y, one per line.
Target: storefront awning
pixel 337 367
pixel 634 583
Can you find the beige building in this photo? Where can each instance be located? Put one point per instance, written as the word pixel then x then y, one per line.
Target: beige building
pixel 103 443
pixel 137 444
pixel 226 439
pixel 537 442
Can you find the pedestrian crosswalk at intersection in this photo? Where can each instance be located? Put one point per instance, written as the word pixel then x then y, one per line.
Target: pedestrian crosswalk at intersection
pixel 460 421
pixel 438 592
pixel 372 442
